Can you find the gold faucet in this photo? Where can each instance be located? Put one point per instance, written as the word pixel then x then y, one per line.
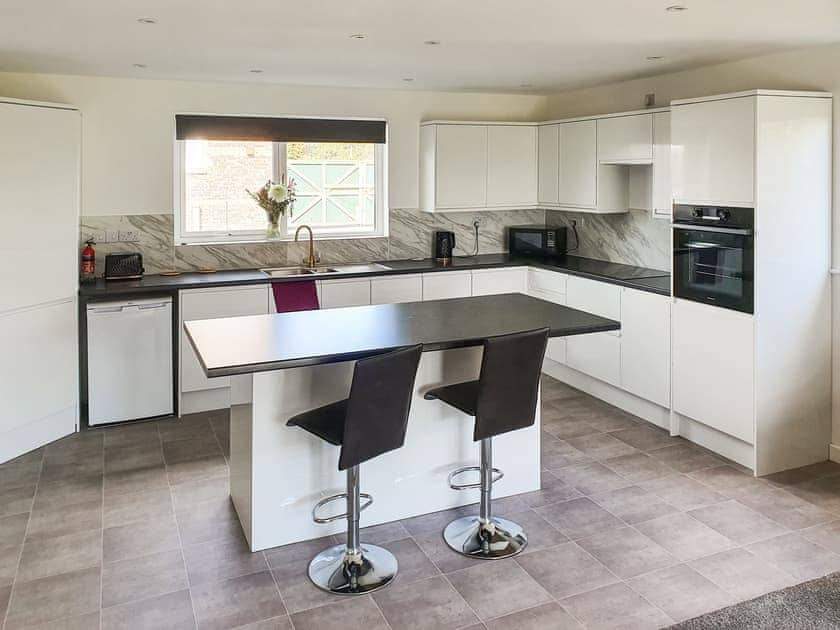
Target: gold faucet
pixel 312 259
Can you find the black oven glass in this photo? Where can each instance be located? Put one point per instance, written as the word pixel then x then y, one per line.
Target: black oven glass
pixel 715 267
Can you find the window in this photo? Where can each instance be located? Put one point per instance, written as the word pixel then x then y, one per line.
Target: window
pixel 340 185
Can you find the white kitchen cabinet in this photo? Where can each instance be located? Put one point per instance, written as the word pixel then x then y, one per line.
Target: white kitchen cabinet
pixel 442 285
pixel 396 289
pixel 596 354
pixel 578 164
pixel 646 345
pixel 713 367
pixel 548 161
pixel 551 287
pixel 594 296
pixel 349 292
pixel 713 151
pixel 211 304
pixel 661 199
pixel 511 165
pixel 459 177
pixel 496 281
pixel 625 139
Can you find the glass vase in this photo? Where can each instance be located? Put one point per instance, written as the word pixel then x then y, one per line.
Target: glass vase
pixel 272 230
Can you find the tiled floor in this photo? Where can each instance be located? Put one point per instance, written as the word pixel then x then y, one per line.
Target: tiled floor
pixel 131 527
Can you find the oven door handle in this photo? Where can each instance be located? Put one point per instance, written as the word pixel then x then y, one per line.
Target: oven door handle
pixel 712 228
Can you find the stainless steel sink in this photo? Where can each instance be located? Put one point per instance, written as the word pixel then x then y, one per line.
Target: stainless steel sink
pixel 320 270
pixel 360 268
pixel 281 272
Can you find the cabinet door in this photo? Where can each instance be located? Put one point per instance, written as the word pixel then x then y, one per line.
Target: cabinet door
pixel 545 281
pixel 210 304
pixel 578 164
pixel 338 293
pixel 548 163
pixel 556 348
pixel 592 296
pixel 646 345
pixel 713 152
pixel 713 367
pixel 597 354
pixel 461 166
pixel 511 165
pixel 661 174
pixel 396 289
pixel 447 284
pixel 496 281
pixel 626 139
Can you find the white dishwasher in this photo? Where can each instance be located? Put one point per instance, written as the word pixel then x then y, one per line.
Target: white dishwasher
pixel 129 360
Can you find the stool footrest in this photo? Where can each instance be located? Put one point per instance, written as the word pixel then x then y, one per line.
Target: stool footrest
pixel 497 475
pixel 343 495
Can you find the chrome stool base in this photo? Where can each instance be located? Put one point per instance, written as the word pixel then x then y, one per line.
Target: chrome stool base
pixel 332 571
pixel 470 537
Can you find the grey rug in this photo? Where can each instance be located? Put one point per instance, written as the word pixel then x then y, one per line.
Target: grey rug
pixel 812 605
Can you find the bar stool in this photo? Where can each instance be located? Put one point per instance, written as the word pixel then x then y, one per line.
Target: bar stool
pixel 372 421
pixel 503 399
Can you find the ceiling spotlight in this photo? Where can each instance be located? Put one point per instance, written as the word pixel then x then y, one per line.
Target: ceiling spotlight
pixel 147 20
pixel 358 36
pixel 676 8
pixel 140 65
pixel 654 58
pixel 255 71
pixel 408 79
pixel 432 42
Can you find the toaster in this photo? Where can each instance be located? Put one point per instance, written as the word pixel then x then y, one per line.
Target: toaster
pixel 123 266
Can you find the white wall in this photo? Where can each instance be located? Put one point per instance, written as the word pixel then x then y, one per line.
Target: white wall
pixel 809 69
pixel 128 126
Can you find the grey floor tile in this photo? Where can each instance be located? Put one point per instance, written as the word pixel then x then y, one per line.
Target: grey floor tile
pixel 823 492
pixel 212 561
pixel 566 570
pixel 190 449
pixel 54 597
pixel 799 557
pixel 785 509
pixel 579 518
pixel 68 492
pixel 556 453
pixel 626 552
pixel 236 602
pixel 436 521
pixel 139 434
pixel 633 505
pixel 139 539
pixel 42 558
pixel 190 426
pixel 614 607
pixel 741 574
pixel 552 490
pixel 728 480
pixel 540 533
pixel 685 537
pixel 200 469
pixel 431 604
pixel 289 565
pixel 737 522
pixel 681 592
pixel 613 420
pixel 13 529
pixel 9 556
pixel 276 623
pixel 682 492
pixel 602 446
pixel 123 509
pixel 5 595
pixel 359 612
pixel 187 494
pixel 440 554
pixel 386 532
pixel 647 438
pixel 61 470
pixel 50 522
pixel 211 520
pixel 638 467
pixel 16 500
pixel 137 457
pixel 806 473
pixel 143 578
pixel 17 475
pixel 141 480
pixel 826 535
pixel 172 611
pixel 413 563
pixel 88 621
pixel 566 428
pixel 493 589
pixel 685 458
pixel 539 618
pixel 591 478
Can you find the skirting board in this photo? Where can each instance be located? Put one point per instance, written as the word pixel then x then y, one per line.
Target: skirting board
pixel 31 435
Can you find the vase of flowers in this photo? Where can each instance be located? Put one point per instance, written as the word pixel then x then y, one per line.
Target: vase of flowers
pixel 275 198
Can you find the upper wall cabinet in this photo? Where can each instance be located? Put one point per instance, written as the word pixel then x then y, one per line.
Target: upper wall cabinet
pixel 626 139
pixel 578 164
pixel 713 151
pixel 661 199
pixel 466 166
pixel 548 184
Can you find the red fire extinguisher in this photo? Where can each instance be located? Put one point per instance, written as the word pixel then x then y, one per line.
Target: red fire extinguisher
pixel 88 262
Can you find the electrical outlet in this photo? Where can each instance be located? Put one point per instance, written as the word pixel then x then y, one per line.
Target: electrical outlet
pixel 129 236
pixel 112 236
pixel 99 237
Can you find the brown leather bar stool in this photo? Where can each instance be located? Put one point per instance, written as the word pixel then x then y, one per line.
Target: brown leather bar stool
pixel 503 399
pixel 372 421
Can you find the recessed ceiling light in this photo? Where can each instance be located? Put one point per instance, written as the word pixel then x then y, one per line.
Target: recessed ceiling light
pixel 147 20
pixel 408 79
pixel 676 8
pixel 358 36
pixel 432 42
pixel 255 71
pixel 654 58
pixel 140 65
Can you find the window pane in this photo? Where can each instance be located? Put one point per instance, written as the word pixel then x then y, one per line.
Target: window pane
pixel 217 176
pixel 335 184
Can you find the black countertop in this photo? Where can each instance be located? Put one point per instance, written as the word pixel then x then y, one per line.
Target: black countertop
pixel 651 280
pixel 259 343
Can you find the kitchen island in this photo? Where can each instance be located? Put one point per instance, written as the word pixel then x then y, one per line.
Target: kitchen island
pixel 298 361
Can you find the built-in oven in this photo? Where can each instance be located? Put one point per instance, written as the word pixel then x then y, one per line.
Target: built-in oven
pixel 714 255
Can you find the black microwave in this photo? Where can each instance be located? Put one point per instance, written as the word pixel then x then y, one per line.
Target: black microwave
pixel 536 240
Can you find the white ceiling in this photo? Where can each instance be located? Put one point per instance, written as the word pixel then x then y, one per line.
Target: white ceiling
pixel 486 45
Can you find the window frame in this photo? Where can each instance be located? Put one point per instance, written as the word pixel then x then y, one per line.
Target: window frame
pixel 222 237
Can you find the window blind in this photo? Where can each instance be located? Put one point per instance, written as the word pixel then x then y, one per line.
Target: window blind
pixel 267 129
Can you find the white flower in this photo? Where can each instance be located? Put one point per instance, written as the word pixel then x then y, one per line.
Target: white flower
pixel 277 192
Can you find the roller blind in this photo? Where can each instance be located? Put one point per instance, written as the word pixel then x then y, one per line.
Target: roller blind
pixel 266 129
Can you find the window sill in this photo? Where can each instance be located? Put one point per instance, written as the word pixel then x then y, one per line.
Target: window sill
pixel 283 240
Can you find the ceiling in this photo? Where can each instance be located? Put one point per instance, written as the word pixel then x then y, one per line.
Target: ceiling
pixel 537 46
